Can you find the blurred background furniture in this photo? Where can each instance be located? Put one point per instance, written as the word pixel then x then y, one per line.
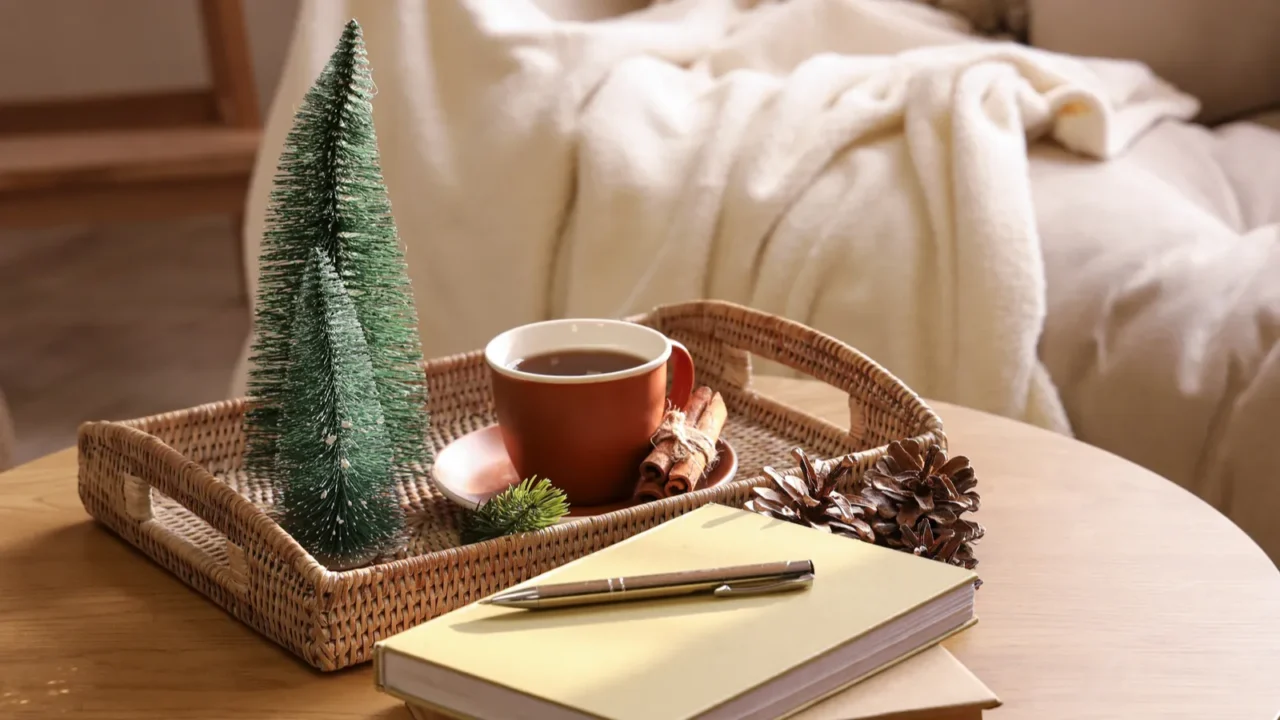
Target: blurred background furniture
pixel 142 156
pixel 128 131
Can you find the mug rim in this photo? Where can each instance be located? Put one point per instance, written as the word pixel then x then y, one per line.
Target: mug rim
pixel 490 351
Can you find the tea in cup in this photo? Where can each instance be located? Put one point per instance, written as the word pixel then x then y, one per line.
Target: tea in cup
pixel 578 401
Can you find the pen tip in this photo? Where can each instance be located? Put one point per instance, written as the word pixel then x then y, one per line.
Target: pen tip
pixel 486 601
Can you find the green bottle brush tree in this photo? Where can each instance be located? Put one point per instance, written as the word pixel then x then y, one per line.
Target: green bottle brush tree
pixel 338 399
pixel 338 410
pixel 335 453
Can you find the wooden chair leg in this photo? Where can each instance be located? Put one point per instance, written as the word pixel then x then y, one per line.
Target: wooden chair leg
pixel 237 240
pixel 7 438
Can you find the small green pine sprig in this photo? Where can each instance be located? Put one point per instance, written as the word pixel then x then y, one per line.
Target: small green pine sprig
pixel 531 505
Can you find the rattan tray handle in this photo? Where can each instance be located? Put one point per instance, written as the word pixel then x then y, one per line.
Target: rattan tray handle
pixel 728 332
pixel 227 568
pixel 135 454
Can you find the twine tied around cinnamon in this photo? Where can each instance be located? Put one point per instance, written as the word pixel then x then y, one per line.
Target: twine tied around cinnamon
pixel 686 439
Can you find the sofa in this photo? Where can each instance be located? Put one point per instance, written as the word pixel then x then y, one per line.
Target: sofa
pixel 1163 325
pixel 1157 328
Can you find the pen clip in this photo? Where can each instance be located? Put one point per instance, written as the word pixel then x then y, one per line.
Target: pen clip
pixel 762 588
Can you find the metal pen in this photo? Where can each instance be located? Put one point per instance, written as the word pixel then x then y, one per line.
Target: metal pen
pixel 718 582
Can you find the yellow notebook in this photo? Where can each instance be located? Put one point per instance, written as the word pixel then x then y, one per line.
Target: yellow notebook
pixel 762 656
pixel 932 685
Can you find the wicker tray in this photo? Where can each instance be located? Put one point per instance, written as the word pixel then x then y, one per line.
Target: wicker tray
pixel 172 486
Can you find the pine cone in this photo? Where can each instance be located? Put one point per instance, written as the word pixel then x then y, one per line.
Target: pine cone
pixel 919 498
pixel 811 500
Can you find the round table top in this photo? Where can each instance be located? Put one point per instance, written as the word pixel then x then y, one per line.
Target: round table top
pixel 1109 593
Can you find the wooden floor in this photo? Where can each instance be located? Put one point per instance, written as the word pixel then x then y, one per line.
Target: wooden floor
pixel 115 322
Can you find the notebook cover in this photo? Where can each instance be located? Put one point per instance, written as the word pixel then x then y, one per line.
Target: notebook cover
pixel 609 660
pixel 932 685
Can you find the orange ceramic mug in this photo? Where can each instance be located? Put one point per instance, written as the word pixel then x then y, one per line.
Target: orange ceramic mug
pixel 578 401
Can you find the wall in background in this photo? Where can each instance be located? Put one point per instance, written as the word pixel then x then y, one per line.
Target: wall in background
pixel 1225 52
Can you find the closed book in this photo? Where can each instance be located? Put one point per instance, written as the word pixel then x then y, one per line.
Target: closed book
pixel 931 685
pixel 755 657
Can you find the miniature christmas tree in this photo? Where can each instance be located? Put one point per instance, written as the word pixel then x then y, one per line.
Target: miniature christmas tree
pixel 334 454
pixel 329 198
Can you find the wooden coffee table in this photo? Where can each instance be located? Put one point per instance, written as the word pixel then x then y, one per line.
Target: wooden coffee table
pixel 1110 593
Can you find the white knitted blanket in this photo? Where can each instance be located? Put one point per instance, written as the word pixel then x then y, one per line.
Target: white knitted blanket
pixel 858 165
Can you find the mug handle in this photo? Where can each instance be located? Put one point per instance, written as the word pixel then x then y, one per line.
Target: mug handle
pixel 681 375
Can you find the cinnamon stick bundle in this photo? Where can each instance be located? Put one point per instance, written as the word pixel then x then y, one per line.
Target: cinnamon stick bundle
pixel 657 467
pixel 686 474
pixel 674 467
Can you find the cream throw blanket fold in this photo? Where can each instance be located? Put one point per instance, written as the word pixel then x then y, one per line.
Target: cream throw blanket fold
pixel 858 165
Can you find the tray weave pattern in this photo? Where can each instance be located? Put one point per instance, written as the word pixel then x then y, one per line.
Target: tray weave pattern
pixel 173 486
